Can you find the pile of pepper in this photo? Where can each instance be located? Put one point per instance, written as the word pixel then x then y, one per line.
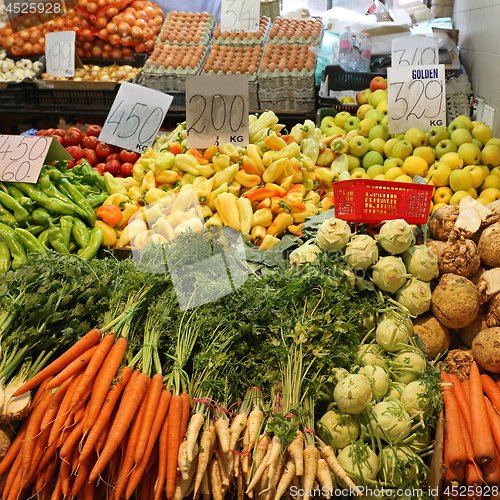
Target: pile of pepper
pixel 58 212
pixel 263 190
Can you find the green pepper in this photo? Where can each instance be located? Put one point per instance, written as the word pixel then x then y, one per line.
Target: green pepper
pixel 51 204
pixel 81 233
pixel 96 237
pixel 79 199
pixel 66 226
pixel 96 200
pixel 18 195
pixel 43 238
pixel 20 213
pixel 37 229
pixel 73 247
pixel 13 191
pixel 4 257
pixel 16 249
pixel 30 242
pixel 7 218
pixel 88 175
pixel 56 239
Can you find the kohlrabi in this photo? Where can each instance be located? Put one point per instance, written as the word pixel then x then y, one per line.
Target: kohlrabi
pixel 361 252
pixel 395 390
pixel 407 366
pixel 412 399
pixel 396 236
pixel 392 334
pixel 421 262
pixel 371 354
pixel 390 421
pixel 333 234
pixel 378 378
pixel 308 252
pixel 338 429
pixel 399 465
pixel 416 296
pixel 389 274
pixel 360 462
pixel 353 394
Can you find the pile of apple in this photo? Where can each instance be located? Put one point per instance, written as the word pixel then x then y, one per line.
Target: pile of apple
pixel 462 159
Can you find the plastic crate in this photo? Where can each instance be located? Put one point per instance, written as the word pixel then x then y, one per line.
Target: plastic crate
pixel 322 113
pixel 13 94
pixel 370 201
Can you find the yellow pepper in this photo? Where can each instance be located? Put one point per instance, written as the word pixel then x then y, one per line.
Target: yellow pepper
pixel 157 239
pixel 146 163
pixel 128 211
pixel 153 195
pixel 149 153
pixel 225 176
pixel 132 182
pixel 197 181
pixel 137 226
pixel 206 170
pixel 262 217
pixel 215 193
pixel 110 238
pixel 254 154
pixel 310 148
pixel 275 171
pixel 278 189
pixel 234 188
pixel 211 152
pixel 138 172
pixel 267 159
pixel 308 212
pixel 325 174
pixel 325 158
pixel 188 179
pixel 245 215
pixel 258 233
pixel 162 227
pixel 116 199
pixel 295 202
pixel 249 166
pixel 227 207
pixel 274 142
pixel 293 169
pixel 185 200
pixel 141 240
pixel 296 133
pixel 326 203
pixel 265 203
pixel 287 183
pixel 307 163
pixel 166 177
pixel 215 220
pixel 229 149
pixel 150 215
pixel 179 216
pixel 206 212
pixel 114 186
pixel 309 185
pixel 187 163
pixel 269 242
pixel 204 189
pixel 247 180
pixel 314 198
pixel 149 181
pixel 296 229
pixel 194 224
pixel 280 224
pixel 164 161
pixel 261 135
pixel 291 150
pixel 135 193
pixel 221 162
pixel 278 205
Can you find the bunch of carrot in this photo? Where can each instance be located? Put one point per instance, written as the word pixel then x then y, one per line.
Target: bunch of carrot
pixel 472 431
pixel 96 429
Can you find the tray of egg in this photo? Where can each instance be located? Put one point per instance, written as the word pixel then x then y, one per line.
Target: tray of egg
pixel 168 65
pixel 243 37
pixel 192 28
pixel 286 30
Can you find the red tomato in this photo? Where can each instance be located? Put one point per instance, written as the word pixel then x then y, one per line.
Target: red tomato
pixel 91 156
pixel 100 170
pixel 59 131
pixel 126 169
pixel 73 137
pixel 113 167
pixel 89 141
pixel 48 131
pixel 71 164
pixel 103 150
pixel 58 138
pixel 113 156
pixel 129 156
pixel 119 176
pixel 94 130
pixel 100 166
pixel 40 132
pixel 75 151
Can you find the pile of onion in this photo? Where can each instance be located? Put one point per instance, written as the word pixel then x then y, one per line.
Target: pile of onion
pixel 94 47
pixel 96 73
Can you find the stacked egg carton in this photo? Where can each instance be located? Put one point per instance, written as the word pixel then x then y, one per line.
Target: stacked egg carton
pixel 244 38
pixel 227 60
pixel 192 28
pixel 300 31
pixel 286 77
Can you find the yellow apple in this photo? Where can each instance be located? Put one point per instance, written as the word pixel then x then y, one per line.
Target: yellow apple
pixel 385 121
pixel 375 170
pixel 442 195
pixel 362 110
pixel 466 120
pixel 359 175
pixel 391 163
pixel 380 177
pixel 416 137
pixel 460 180
pixel 341 117
pixel 393 173
pixel 402 149
pixel 347 99
pixel 362 97
pixel 389 145
pixel 460 136
pixel 477 175
pixel 484 200
pixel 403 178
pixel 454 160
pixel 440 173
pixel 490 181
pixel 490 155
pixel 470 153
pixel 426 153
pixel 494 142
pixel 414 165
pixel 493 193
pixel 495 171
pixel 379 131
pixel 475 123
pixel 472 192
pixel 382 107
pixel 486 170
pixel 455 199
pixel 377 145
pixel 377 97
pixel 482 133
pixel 365 126
pixel 438 205
pixel 376 115
pixel 354 162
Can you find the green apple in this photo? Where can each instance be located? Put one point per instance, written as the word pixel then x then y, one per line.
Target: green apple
pixel 327 123
pixel 399 136
pixel 377 97
pixel 354 162
pixel 377 145
pixel 375 114
pixel 490 155
pixel 437 134
pixel 364 126
pixel 477 143
pixel 460 136
pixel 385 120
pixel 341 117
pixel 482 133
pixel 382 107
pixel 477 175
pixel 389 145
pixel 493 142
pixel 470 153
pixel 443 147
pixel 372 158
pixel 379 132
pixel 391 163
pixel 375 170
pixel 358 146
pixel 351 123
pixel 402 149
pixel 426 153
pixel 455 124
pixel 416 137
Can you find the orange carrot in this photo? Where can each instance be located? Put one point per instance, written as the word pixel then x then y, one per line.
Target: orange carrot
pixel 15 488
pixel 174 433
pixel 473 479
pixel 14 449
pixel 89 491
pixel 445 381
pixel 126 411
pixel 40 391
pixel 491 390
pixel 57 493
pixel 104 415
pixel 14 472
pixel 85 343
pixel 65 472
pixel 465 385
pixel 498 383
pixel 73 438
pixel 55 404
pixel 84 468
pixel 494 421
pixel 462 400
pixel 186 409
pixel 483 444
pixel 38 455
pixel 105 378
pixel 162 461
pixel 457 455
pixel 104 433
pixel 152 400
pixel 467 440
pixel 491 471
pixel 72 368
pixel 454 475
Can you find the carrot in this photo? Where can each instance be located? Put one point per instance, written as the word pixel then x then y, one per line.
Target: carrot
pixel 469 450
pixel 462 400
pixel 65 471
pixel 494 421
pixel 454 475
pixel 491 390
pixel 40 391
pixel 55 404
pixel 162 462
pixel 84 468
pixel 72 368
pixel 491 471
pixel 186 409
pixel 465 385
pixel 101 439
pixel 105 377
pixel 15 488
pixel 328 454
pixel 14 449
pixel 73 438
pixel 89 491
pixel 145 492
pixel 104 415
pixel 484 445
pixel 152 400
pixel 14 472
pixel 126 411
pixel 473 476
pixel 174 435
pixel 57 493
pixel 38 455
pixel 457 455
pixel 85 343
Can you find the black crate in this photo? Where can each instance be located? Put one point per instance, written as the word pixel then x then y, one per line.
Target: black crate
pixel 179 101
pixel 14 94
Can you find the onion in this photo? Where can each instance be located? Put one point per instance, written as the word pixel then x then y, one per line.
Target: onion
pixel 28 47
pixel 158 20
pixel 149 11
pixel 87 46
pixel 129 19
pixel 127 52
pixel 9 41
pixel 102 4
pixel 96 51
pixel 140 23
pixel 24 35
pixel 92 8
pixel 141 15
pixel 19 42
pixel 123 29
pixel 137 5
pixel 79 51
pixel 104 78
pixel 116 54
pixel 111 28
pixel 105 54
pixel 101 23
pixel 60 23
pixel 107 46
pixel 136 32
pixel 148 45
pixel 111 12
pixel 103 33
pixel 37 48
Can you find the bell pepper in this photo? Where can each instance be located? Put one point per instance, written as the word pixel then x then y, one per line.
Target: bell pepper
pixel 277 189
pixel 164 161
pixel 204 189
pixel 278 205
pixel 216 192
pixel 206 170
pixel 266 203
pixel 310 148
pixel 131 181
pixel 325 158
pixel 287 183
pixel 229 149
pixel 325 174
pixel 166 177
pixel 234 188
pixel 246 179
pixel 257 234
pixel 186 163
pixel 295 229
pixel 292 150
pixel 313 197
pixel 206 212
pixel 280 224
pixel 294 201
pixel 215 220
pixel 269 242
pixel 211 152
pixel 177 217
pixel 259 194
pixel 327 203
pixel 116 199
pixel 262 217
pixel 227 208
pixel 185 200
pixel 275 170
pixel 148 182
pixel 225 176
pixel 221 162
pixel 310 210
pixel 109 235
pixel 267 159
pixel 154 194
pixel 274 142
pixel 161 226
pixel 293 168
pixel 265 120
pixel 114 186
pixel 297 134
pixel 110 214
pixel 254 154
pixel 138 172
pixel 202 160
pixel 245 215
pixel 249 166
pixel 129 209
pixel 137 226
pixel 188 179
pixel 135 193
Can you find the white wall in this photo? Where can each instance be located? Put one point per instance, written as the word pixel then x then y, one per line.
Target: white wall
pixel 479 41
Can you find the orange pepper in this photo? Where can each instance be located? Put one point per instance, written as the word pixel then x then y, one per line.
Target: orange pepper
pixel 266 203
pixel 260 194
pixel 211 152
pixel 110 214
pixel 278 205
pixel 279 191
pixel 296 229
pixel 326 203
pixel 249 166
pixel 202 160
pixel 294 201
pixel 174 148
pixel 298 188
pixel 274 142
pixel 313 176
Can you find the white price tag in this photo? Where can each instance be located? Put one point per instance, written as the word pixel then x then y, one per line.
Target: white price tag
pixel 135 117
pixel 60 53
pixel 418 50
pixel 216 110
pixel 240 15
pixel 416 97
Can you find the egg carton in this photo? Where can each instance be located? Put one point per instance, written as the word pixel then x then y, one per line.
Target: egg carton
pixel 271 8
pixel 253 95
pixel 245 42
pixel 301 40
pixel 205 37
pixel 285 82
pixel 282 104
pixel 287 94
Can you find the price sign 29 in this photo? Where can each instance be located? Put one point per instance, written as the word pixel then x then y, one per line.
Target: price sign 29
pixel 216 110
pixel 416 97
pixel 240 15
pixel 60 53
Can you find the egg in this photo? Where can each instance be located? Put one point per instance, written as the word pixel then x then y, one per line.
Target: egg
pixel 315 34
pixel 309 65
pixel 242 35
pixel 263 67
pixel 290 65
pixel 252 69
pixel 272 67
pixel 281 34
pixel 216 68
pixel 233 35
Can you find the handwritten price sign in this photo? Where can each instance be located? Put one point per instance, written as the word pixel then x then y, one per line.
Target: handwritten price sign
pixel 415 51
pixel 416 97
pixel 60 53
pixel 135 117
pixel 216 110
pixel 240 15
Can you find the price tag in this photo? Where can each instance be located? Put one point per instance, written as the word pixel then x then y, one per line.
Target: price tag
pixel 216 110
pixel 418 50
pixel 60 53
pixel 416 97
pixel 240 15
pixel 22 156
pixel 135 117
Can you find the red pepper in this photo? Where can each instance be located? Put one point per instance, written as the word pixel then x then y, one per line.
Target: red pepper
pixel 110 214
pixel 287 139
pixel 174 148
pixel 202 160
pixel 260 194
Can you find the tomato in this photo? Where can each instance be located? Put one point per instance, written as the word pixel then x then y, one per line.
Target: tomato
pixel 100 166
pixel 94 130
pixel 103 150
pixel 113 156
pixel 40 132
pixel 73 137
pixel 126 169
pixel 129 156
pixel 58 138
pixel 89 141
pixel 59 131
pixel 79 162
pixel 75 151
pixel 113 167
pixel 100 170
pixel 48 131
pixel 91 156
pixel 71 164
pixel 119 176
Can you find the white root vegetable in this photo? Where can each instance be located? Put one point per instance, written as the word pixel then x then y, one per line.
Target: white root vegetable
pixel 254 420
pixel 286 478
pixel 182 462
pixel 468 202
pixel 297 484
pixel 324 478
pixel 467 224
pixel 224 468
pixel 15 408
pixel 222 429
pixel 260 471
pixel 274 456
pixel 236 429
pixel 489 284
pixel 204 456
pixel 182 486
pixel 205 487
pixel 194 427
pixel 215 479
pixel 240 487
pixel 296 450
pixel 245 454
pixel 311 457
